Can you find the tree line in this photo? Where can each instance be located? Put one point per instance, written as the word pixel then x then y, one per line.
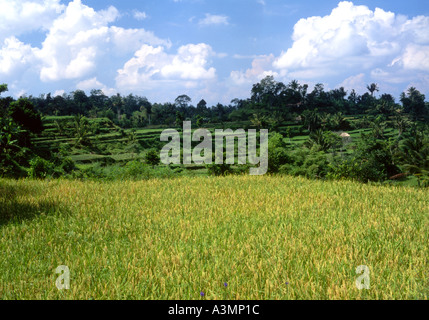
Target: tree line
pixel 270 101
pixel 272 104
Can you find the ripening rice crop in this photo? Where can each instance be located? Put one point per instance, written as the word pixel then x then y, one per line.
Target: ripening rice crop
pixel 237 237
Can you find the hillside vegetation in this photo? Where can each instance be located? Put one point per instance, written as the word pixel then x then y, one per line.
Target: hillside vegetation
pixel 329 135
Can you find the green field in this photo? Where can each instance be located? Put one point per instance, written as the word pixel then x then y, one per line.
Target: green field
pixel 111 147
pixel 269 237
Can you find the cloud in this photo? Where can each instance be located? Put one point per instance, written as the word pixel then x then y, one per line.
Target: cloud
pixel 350 46
pixel 15 56
pixel 354 38
pixel 18 17
pixel 260 69
pixel 130 40
pixel 190 63
pixel 77 42
pixel 139 15
pixel 211 19
pixel 240 56
pixel 145 63
pixel 73 43
pixel 58 93
pixel 81 41
pixel 356 82
pixel 93 83
pixel 415 57
pixel 162 76
pixel 152 64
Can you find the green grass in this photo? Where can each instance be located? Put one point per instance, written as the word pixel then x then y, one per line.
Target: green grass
pixel 87 157
pixel 172 239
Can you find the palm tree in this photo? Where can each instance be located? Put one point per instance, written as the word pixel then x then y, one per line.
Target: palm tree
pixel 414 103
pixel 312 119
pixel 258 120
pixel 81 127
pixel 118 103
pixel 372 88
pixel 384 108
pixel 59 125
pixel 415 155
pixel 401 123
pixel 378 127
pixel 325 140
pixel 338 121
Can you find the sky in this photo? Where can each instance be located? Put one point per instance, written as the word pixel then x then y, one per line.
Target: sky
pixel 211 49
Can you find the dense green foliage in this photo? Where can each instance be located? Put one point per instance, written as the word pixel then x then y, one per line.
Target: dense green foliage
pixel 318 134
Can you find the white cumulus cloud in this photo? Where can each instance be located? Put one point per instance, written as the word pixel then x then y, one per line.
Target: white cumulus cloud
pixel 354 38
pixel 416 57
pixel 356 82
pixel 190 63
pixel 162 75
pixel 73 43
pixel 79 40
pixel 20 16
pixel 93 83
pixel 151 64
pixel 146 62
pixel 15 56
pixel 260 69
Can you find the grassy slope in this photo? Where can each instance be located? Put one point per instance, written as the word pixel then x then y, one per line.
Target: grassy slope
pixel 172 239
pixel 116 145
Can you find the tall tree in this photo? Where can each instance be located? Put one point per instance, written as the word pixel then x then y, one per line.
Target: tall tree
pixel 312 120
pixel 24 114
pixel 183 101
pixel 118 104
pixel 4 103
pixel 267 94
pixel 3 88
pixel 202 108
pixel 415 156
pixel 81 102
pixel 179 118
pixel 414 103
pixel 372 88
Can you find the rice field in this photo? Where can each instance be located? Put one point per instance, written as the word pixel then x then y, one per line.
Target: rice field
pixel 237 237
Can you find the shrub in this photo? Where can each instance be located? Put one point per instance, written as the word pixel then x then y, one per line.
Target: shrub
pixel 311 163
pixel 219 169
pixel 277 153
pixel 10 168
pixel 152 157
pixel 325 140
pixel 371 161
pixel 67 165
pixel 40 168
pixel 136 170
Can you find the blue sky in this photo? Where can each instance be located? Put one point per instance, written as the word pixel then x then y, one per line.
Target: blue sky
pixel 211 49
